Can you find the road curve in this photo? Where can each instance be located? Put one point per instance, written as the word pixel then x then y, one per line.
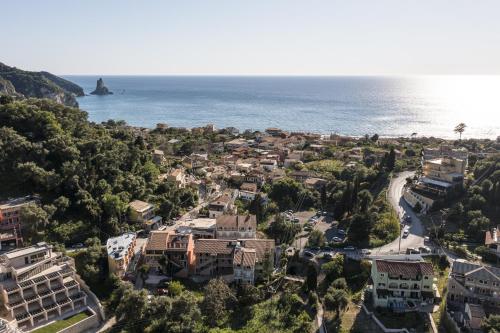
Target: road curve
pixel 416 237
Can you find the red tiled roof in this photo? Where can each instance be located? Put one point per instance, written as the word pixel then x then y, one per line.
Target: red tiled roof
pixel 408 269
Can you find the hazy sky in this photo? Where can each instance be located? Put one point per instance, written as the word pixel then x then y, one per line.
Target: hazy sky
pixel 252 37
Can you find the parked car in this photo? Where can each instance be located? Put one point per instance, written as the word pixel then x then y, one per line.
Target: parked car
pixel 328 255
pixel 295 220
pixel 308 227
pixel 309 254
pixel 366 251
pixel 408 219
pixel 425 249
pixel 337 239
pixel 406 232
pixel 412 250
pixel 78 246
pixel 341 232
pixel 349 248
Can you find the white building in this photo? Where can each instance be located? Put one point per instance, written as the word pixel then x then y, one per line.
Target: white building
pixel 120 253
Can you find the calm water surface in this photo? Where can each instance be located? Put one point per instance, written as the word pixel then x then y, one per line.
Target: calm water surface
pixel 389 106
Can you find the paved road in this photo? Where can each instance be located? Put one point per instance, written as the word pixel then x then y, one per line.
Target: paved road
pixel 416 236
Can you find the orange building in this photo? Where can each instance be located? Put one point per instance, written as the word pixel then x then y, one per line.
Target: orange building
pixel 10 222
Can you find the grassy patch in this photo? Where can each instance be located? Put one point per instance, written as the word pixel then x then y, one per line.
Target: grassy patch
pixel 325 166
pixel 61 324
pixel 441 274
pixel 415 320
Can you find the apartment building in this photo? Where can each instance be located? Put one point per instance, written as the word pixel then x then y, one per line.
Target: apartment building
pixel 443 172
pixel 176 247
pixel 475 284
pixel 120 253
pixel 248 191
pixel 402 285
pixel 10 222
pixel 223 204
pixel 239 261
pixel 38 285
pixel 236 226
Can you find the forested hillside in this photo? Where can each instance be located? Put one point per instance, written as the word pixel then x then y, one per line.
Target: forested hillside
pixel 84 173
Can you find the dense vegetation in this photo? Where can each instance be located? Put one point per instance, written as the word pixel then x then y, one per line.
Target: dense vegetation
pixel 216 309
pixel 85 174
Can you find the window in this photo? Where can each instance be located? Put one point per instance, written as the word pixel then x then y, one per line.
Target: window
pixel 426 278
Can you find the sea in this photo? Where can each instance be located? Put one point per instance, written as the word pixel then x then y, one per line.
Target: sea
pixel 357 105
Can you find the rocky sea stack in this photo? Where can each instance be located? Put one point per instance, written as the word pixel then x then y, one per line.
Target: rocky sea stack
pixel 101 89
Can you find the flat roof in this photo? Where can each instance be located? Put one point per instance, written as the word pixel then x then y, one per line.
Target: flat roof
pixel 39 247
pixel 118 246
pixel 435 182
pixel 140 206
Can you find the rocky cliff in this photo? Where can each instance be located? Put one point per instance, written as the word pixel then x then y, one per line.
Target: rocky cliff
pixel 101 89
pixel 19 83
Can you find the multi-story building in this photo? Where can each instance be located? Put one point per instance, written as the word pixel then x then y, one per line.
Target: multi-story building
pixel 144 213
pixel 492 240
pixel 120 253
pixel 38 285
pixel 402 285
pixel 177 177
pixel 10 222
pixel 224 204
pixel 239 261
pixel 248 191
pixel 199 228
pixel 474 284
pixel 443 172
pixel 177 248
pixel 236 226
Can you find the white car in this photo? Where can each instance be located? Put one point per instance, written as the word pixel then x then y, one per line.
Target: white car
pixel 366 252
pixel 406 233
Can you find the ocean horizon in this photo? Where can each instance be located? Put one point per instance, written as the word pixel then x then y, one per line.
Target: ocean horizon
pixel 391 106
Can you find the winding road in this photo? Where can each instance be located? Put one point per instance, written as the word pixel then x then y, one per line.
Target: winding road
pixel 416 237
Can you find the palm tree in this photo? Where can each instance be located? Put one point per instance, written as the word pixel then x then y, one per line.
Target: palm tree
pixel 460 128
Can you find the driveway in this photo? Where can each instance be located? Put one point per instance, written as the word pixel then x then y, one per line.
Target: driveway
pixel 416 237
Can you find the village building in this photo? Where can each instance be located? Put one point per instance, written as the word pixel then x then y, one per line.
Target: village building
pixel 38 285
pixel 199 228
pixel 402 285
pixel 144 213
pixel 11 222
pixel 120 251
pixel 159 157
pixel 224 204
pixel 492 240
pixel 170 251
pixel 236 226
pixel 177 177
pixel 248 191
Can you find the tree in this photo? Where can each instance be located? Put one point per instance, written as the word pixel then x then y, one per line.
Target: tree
pixel 132 308
pixel 365 199
pixel 340 283
pixel 175 288
pixel 391 160
pixel 217 302
pixel 316 239
pixel 311 278
pixel 267 266
pixel 34 220
pixel 336 299
pixel 491 324
pixel 334 268
pixel 460 128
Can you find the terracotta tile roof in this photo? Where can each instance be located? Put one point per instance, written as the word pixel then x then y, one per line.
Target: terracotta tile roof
pixel 235 222
pixel 251 187
pixel 261 246
pixel 214 246
pixel 168 240
pixel 157 240
pixel 408 269
pixel 244 257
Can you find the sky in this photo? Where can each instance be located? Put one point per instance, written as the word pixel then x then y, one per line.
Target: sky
pixel 255 37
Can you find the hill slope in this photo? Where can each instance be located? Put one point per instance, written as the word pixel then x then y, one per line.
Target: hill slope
pixel 20 83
